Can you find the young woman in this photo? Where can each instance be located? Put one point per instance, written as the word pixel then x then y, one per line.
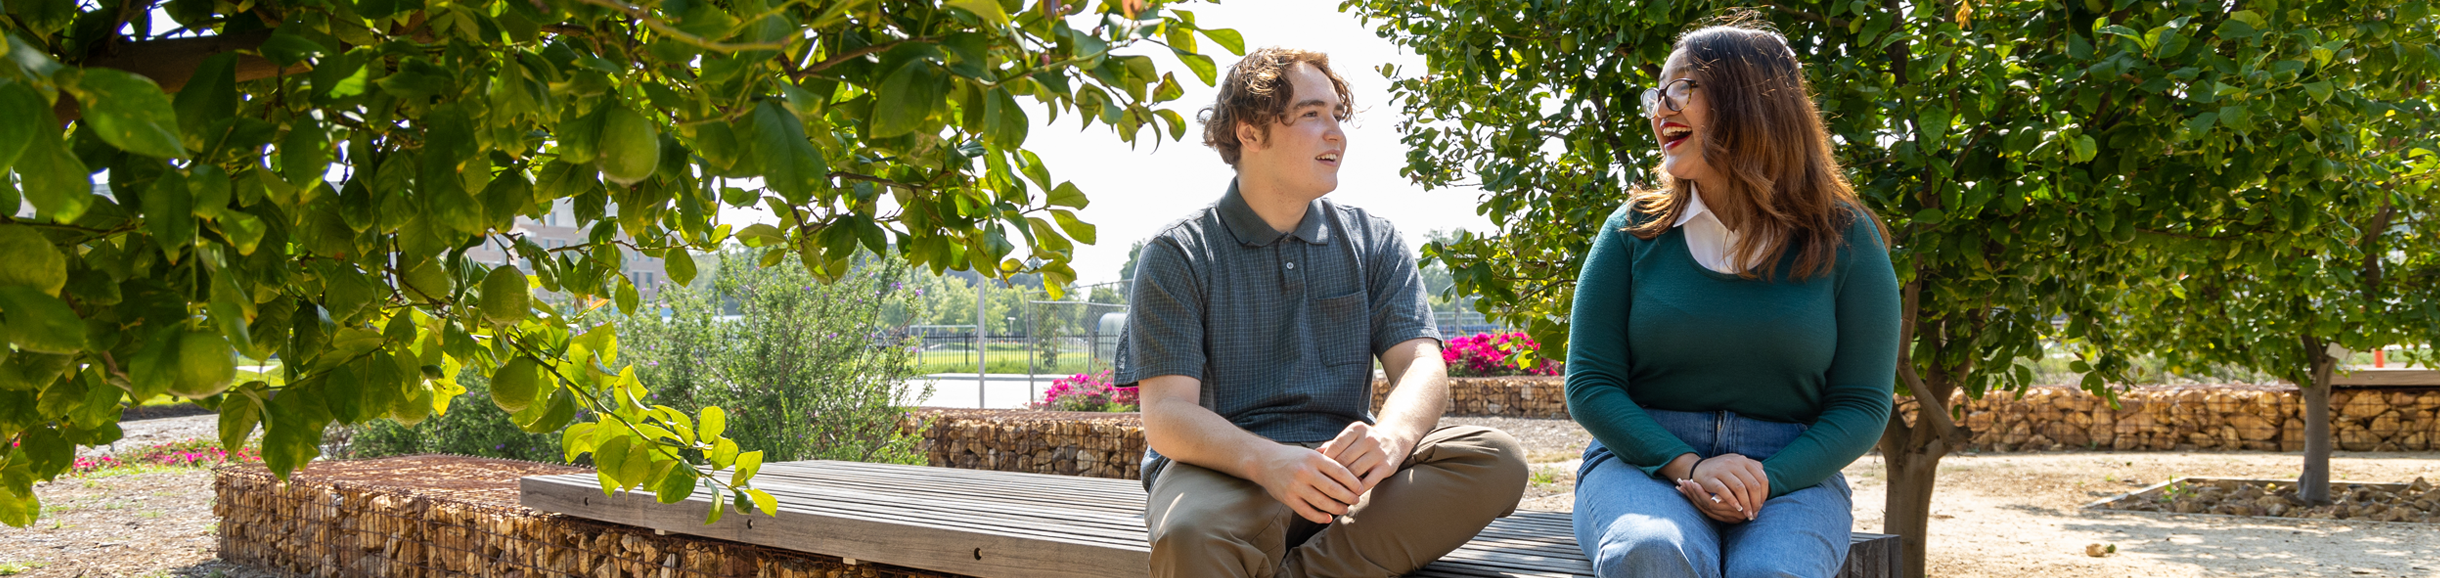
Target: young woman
pixel 1735 333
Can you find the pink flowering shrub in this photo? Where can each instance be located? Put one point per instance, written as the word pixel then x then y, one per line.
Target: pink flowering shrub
pixel 189 453
pixel 1087 392
pixel 1496 354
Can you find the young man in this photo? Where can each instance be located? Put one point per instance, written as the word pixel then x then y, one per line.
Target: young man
pixel 1252 329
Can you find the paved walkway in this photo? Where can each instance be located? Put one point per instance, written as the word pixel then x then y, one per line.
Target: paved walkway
pixel 997 390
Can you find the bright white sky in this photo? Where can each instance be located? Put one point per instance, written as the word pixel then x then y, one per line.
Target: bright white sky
pixel 1136 189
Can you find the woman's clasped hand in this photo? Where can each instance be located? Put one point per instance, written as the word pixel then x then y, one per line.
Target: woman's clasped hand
pixel 1728 488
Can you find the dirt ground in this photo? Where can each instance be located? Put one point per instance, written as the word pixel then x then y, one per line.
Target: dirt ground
pixel 2021 515
pixel 157 523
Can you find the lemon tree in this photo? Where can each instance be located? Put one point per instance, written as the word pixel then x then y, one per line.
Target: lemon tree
pixel 2034 161
pixel 303 179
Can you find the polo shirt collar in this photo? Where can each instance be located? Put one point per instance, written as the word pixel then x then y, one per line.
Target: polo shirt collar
pixel 1694 208
pixel 1250 229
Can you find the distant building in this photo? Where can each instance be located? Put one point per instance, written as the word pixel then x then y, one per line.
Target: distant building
pixel 558 229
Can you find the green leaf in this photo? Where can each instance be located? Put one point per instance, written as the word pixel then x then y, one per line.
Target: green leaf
pixel 1082 231
pixel 2320 90
pixel 627 298
pixel 2202 122
pixel 988 10
pixel 1005 123
pixel 763 501
pixel 241 413
pixel 578 137
pixel 19 509
pixel 130 112
pixel 1202 65
pixel 676 486
pixel 2083 148
pixel 208 96
pixel 169 210
pixel 577 440
pixel 636 469
pixel 54 181
pixel 1066 195
pixel 40 322
pixel 288 49
pixel 748 464
pixel 723 453
pixel 915 91
pixel 20 102
pixel 680 266
pixel 608 458
pixel 32 260
pixel 1229 39
pixel 1934 125
pixel 775 139
pixel 304 152
pixel 2171 43
pixel 554 416
pixel 715 422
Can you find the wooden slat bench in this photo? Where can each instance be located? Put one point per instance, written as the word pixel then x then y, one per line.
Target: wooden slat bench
pixel 995 524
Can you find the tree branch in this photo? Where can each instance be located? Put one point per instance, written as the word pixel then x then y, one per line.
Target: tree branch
pixel 657 25
pixel 1803 14
pixel 171 63
pixel 843 57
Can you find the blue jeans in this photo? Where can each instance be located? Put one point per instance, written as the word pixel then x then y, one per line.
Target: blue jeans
pixel 1632 524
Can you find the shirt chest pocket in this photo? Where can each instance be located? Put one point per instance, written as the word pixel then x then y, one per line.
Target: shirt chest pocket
pixel 1342 330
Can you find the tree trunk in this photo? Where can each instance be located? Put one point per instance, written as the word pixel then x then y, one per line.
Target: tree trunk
pixel 1908 507
pixel 1911 452
pixel 2314 486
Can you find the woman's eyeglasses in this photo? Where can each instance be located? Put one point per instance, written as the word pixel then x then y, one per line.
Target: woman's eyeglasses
pixel 1672 95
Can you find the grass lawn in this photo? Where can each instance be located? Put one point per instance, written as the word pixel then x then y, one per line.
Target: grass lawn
pixel 998 359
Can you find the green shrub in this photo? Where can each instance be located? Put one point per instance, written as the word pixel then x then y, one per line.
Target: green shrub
pixel 474 426
pixel 805 369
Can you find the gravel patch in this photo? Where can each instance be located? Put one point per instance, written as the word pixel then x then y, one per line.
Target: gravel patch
pixel 2022 515
pixel 149 524
pixel 142 433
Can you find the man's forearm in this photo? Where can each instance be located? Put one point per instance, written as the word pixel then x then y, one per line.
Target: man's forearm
pixel 1420 392
pixel 1189 433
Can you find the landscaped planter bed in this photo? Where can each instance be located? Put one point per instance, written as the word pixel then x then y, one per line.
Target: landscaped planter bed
pixel 1073 443
pixel 436 516
pixel 1534 396
pixel 2361 501
pixel 2184 418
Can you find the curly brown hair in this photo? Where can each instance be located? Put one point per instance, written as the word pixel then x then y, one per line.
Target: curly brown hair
pixel 1257 93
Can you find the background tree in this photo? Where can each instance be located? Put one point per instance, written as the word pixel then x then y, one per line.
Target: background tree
pixel 310 191
pixel 2029 158
pixel 2357 269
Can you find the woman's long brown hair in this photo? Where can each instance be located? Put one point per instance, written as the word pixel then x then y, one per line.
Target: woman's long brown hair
pixel 1784 188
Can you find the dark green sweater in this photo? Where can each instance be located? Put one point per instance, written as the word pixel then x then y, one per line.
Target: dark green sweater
pixel 1653 328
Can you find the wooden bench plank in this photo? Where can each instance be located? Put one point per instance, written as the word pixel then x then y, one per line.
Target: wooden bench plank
pixel 1005 524
pixel 952 550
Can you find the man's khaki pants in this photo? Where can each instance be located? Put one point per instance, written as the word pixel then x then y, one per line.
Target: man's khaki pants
pixel 1458 479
